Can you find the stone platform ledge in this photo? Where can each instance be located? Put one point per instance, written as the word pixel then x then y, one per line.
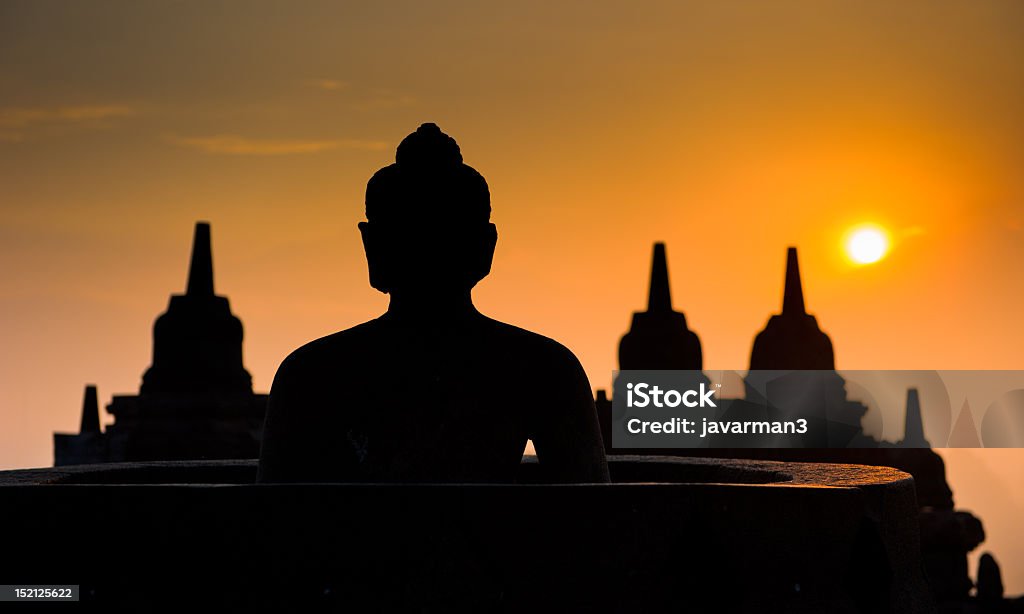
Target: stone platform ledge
pixel 625 469
pixel 703 535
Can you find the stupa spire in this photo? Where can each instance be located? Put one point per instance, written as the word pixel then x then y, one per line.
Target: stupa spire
pixel 90 411
pixel 659 298
pixel 913 431
pixel 200 273
pixel 793 295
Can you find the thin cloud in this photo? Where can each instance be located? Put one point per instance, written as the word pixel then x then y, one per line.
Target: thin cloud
pixel 328 85
pixel 17 122
pixel 21 117
pixel 244 146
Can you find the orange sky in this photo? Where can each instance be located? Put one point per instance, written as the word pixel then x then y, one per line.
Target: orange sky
pixel 727 130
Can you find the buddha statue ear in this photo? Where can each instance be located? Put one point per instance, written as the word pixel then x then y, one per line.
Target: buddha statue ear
pixel 484 254
pixel 378 260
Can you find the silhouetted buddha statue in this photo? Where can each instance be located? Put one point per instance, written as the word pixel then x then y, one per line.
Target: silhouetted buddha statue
pixel 431 391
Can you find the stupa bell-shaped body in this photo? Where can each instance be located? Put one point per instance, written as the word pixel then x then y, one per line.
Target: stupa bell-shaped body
pixel 197 342
pixel 659 338
pixel 792 339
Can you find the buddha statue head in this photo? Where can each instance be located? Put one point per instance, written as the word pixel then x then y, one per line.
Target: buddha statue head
pixel 427 228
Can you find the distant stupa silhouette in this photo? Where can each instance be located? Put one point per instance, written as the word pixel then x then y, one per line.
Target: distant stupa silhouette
pixel 964 433
pixel 792 339
pixel 197 342
pixel 196 400
pixel 659 338
pixel 793 359
pixel 913 431
pixel 990 584
pixel 90 411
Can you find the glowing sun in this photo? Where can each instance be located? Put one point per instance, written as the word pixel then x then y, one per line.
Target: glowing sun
pixel 867 245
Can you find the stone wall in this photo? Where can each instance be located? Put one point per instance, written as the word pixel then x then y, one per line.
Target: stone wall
pixel 670 534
